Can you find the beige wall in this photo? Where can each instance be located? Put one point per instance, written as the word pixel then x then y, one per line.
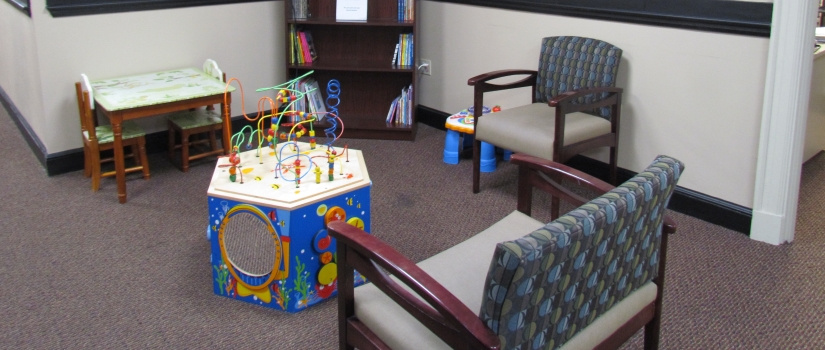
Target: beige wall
pixel 242 38
pixel 19 75
pixel 696 96
pixel 692 95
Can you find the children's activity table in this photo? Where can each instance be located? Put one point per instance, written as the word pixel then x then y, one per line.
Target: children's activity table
pixel 268 214
pixel 145 95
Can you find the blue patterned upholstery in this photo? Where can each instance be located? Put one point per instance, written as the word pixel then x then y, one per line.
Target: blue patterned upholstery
pixel 544 287
pixel 569 63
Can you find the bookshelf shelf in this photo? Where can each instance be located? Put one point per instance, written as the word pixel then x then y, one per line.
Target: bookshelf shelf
pixel 361 55
pixel 353 66
pixel 368 23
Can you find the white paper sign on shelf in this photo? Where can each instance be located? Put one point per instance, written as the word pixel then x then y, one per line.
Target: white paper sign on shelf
pixel 351 10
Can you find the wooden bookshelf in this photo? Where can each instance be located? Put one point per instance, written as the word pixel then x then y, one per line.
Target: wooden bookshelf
pixel 359 54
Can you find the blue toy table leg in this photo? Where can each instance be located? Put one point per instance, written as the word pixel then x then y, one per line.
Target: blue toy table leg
pixel 488 158
pixel 505 155
pixel 451 149
pixel 467 142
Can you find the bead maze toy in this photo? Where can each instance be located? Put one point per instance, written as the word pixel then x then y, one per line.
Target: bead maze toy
pixel 271 198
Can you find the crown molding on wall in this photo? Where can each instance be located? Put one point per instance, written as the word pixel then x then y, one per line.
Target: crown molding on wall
pixel 22 5
pixel 723 16
pixel 64 8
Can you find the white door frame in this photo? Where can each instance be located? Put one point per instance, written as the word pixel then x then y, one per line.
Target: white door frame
pixel 784 116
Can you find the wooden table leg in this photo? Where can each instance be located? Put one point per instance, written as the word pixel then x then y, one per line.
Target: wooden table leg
pixel 120 166
pixel 227 123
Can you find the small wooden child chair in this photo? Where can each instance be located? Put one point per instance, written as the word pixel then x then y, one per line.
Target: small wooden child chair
pixel 98 138
pixel 196 122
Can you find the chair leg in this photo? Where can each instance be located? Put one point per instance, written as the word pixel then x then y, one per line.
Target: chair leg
pixel 171 151
pixel 184 150
pixel 555 204
pixel 613 165
pixel 652 331
pixel 95 169
pixel 134 154
pixel 476 164
pixel 87 162
pixel 213 141
pixel 144 161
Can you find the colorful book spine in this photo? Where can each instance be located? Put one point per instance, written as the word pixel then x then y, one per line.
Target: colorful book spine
pixel 305 47
pixel 395 55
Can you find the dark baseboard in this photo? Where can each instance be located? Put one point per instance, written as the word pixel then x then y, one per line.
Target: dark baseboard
pixel 431 117
pixel 685 201
pixel 72 160
pixel 25 129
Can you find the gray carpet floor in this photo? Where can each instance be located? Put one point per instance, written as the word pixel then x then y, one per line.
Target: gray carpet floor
pixel 84 272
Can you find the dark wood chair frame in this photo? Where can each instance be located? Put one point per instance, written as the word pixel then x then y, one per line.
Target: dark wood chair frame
pixel 92 148
pixel 565 103
pixel 185 146
pixel 441 311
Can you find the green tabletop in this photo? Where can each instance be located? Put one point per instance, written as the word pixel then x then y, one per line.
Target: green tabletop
pixel 155 88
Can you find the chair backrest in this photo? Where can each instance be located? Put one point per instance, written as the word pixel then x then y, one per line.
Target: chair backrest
pixel 87 86
pixel 571 63
pixel 544 287
pixel 85 107
pixel 211 67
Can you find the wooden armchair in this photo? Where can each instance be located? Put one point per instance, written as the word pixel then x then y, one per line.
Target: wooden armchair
pixel 575 104
pixel 589 279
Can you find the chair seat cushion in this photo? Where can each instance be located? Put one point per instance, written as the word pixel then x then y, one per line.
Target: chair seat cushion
pixel 195 119
pixel 104 133
pixel 529 129
pixel 461 269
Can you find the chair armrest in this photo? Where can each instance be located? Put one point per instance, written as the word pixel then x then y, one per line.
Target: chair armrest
pixel 568 101
pixel 547 175
pixel 485 77
pixel 481 84
pixel 440 311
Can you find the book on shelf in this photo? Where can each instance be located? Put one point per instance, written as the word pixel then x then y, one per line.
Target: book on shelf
pixel 303 49
pixel 315 99
pixel 406 10
pixel 393 109
pixel 297 51
pixel 311 46
pixel 395 55
pixel 401 108
pixel 300 9
pixel 311 101
pixel 292 58
pixel 403 56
